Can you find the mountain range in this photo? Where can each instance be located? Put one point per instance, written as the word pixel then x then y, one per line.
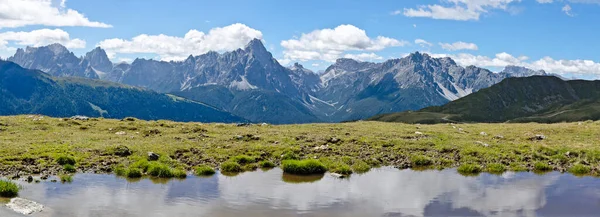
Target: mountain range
pixel 250 83
pixel 26 91
pixel 545 99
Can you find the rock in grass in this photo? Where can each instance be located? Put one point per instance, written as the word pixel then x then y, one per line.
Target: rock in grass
pixel 80 118
pixel 482 143
pixel 337 175
pixel 24 206
pixel 483 134
pixel 153 156
pixel 120 133
pixel 538 137
pixel 122 151
pixel 499 137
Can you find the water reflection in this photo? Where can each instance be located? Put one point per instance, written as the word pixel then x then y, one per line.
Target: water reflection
pixel 381 192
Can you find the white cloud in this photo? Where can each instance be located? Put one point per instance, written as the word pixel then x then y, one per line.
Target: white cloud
pixel 567 9
pixel 456 10
pixel 330 44
pixel 364 56
pixel 178 48
pixel 459 45
pixel 572 67
pixel 315 65
pixel 19 13
pixel 545 1
pixel 38 38
pixel 423 43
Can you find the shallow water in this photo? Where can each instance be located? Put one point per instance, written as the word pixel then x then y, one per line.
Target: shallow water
pixel 381 192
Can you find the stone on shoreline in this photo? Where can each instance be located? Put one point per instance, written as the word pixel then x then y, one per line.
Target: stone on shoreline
pixel 24 206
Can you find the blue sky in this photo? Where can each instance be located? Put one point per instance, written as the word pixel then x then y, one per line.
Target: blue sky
pixel 559 36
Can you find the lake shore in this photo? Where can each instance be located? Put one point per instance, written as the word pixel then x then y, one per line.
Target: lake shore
pixel 31 144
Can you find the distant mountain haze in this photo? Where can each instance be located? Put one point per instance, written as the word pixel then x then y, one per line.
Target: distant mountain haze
pixel 251 84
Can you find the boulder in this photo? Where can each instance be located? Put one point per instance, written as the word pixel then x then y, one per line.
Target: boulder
pixel 483 134
pixel 121 133
pixel 333 140
pixel 538 137
pixel 153 156
pixel 24 206
pixel 499 137
pixel 482 143
pixel 122 151
pixel 80 118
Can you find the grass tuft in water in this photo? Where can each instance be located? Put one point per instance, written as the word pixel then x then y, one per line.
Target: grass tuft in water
pixel 469 169
pixel 341 168
pixel 69 168
pixel 266 164
pixel 8 189
pixel 66 178
pixel 360 166
pixel 421 161
pixel 231 167
pixel 179 173
pixel 159 170
pixel 303 167
pixel 541 167
pixel 580 169
pixel 64 160
pixel 495 168
pixel 204 170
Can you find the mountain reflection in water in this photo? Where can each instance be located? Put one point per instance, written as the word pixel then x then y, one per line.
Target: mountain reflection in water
pixel 381 192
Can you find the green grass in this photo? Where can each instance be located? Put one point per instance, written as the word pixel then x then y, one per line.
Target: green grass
pixel 495 168
pixel 580 169
pixel 231 167
pixel 64 160
pixel 421 161
pixel 360 166
pixel 469 169
pixel 342 168
pixel 134 173
pixel 179 173
pixel 243 159
pixel 160 170
pixel 362 145
pixel 8 189
pixel 204 170
pixel 266 164
pixel 541 167
pixel 66 178
pixel 69 168
pixel 303 167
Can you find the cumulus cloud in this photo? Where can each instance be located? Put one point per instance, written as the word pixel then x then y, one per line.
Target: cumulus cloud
pixel 459 45
pixel 178 48
pixel 19 13
pixel 38 38
pixel 364 56
pixel 549 64
pixel 567 9
pixel 456 9
pixel 330 44
pixel 423 43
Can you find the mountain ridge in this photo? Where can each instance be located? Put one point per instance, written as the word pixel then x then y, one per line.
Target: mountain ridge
pixel 346 90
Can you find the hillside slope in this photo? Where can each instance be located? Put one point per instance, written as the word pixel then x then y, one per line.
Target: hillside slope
pixel 531 99
pixel 34 92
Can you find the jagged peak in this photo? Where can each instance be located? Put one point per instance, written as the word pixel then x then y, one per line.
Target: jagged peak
pixel 57 48
pixel 255 45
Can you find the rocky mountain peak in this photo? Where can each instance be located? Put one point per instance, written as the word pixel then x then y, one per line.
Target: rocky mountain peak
pixel 520 71
pixel 257 49
pixel 57 48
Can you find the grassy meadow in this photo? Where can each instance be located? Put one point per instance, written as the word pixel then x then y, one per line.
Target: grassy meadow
pixel 55 146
